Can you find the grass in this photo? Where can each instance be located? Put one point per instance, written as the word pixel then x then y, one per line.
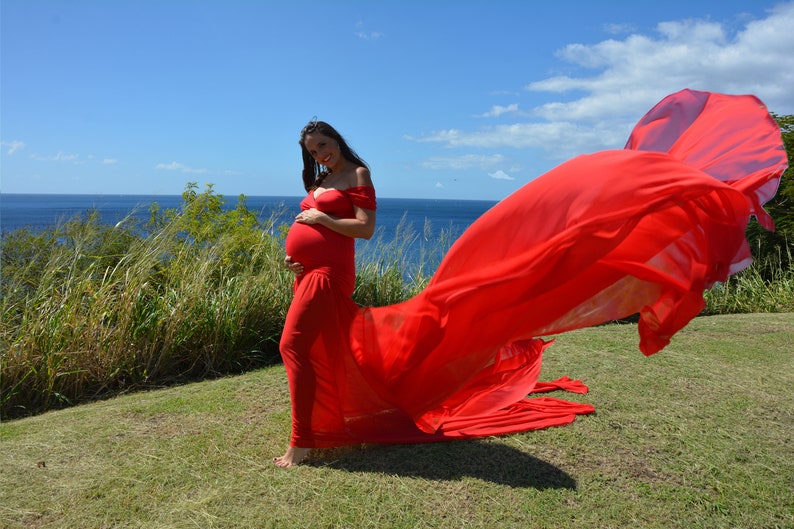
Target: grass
pixel 697 436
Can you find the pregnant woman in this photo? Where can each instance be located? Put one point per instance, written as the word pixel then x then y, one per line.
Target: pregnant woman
pixel 643 230
pixel 320 250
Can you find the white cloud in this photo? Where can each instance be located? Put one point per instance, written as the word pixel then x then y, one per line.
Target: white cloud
pixel 61 157
pixel 463 162
pixel 439 185
pixel 365 34
pixel 562 138
pixel 13 146
pixel 58 157
pixel 498 110
pixel 640 70
pixel 176 166
pixel 500 175
pixel 628 76
pixel 372 35
pixel 618 29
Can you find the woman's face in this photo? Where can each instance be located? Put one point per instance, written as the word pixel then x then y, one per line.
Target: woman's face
pixel 323 149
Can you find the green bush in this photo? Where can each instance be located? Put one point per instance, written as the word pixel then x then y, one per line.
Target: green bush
pixel 90 309
pixel 766 286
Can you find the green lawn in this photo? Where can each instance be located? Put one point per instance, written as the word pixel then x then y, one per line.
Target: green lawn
pixel 697 436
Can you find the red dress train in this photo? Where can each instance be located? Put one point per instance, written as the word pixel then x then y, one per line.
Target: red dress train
pixel 641 230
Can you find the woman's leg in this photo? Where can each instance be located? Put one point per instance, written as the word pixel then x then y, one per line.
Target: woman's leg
pixel 311 331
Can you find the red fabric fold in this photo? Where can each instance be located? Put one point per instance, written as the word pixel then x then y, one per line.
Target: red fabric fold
pixel 563 383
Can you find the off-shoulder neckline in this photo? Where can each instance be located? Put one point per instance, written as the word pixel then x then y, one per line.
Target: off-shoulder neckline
pixel 316 197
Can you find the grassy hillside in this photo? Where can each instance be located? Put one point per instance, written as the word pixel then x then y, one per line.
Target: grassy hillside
pixel 698 436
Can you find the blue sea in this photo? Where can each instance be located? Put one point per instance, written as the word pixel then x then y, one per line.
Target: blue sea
pixel 39 212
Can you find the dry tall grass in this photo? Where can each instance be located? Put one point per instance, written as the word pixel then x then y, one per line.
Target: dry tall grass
pixel 87 309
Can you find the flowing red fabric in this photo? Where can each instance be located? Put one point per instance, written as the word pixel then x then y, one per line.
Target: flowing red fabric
pixel 641 230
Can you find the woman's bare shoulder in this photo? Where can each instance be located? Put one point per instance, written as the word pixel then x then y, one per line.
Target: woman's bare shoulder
pixel 363 177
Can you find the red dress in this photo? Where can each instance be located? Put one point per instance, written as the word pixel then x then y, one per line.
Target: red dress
pixel 641 230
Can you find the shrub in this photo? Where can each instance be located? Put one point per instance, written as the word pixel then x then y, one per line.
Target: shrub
pixel 87 309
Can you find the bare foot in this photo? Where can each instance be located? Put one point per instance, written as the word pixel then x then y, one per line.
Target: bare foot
pixel 292 457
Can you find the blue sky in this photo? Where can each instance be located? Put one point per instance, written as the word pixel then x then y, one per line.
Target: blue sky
pixel 464 99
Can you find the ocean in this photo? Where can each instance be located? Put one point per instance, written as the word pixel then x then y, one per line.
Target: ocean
pixel 39 212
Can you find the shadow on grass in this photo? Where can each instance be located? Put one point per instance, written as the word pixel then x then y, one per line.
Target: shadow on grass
pixel 488 460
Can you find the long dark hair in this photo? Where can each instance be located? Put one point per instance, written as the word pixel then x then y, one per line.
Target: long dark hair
pixel 313 172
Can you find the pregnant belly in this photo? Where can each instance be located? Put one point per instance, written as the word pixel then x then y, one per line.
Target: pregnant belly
pixel 316 246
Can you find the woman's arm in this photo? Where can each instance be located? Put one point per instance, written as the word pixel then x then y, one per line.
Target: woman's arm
pixel 362 226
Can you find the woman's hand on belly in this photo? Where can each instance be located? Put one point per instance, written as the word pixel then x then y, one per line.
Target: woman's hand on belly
pixel 294 267
pixel 360 225
pixel 310 216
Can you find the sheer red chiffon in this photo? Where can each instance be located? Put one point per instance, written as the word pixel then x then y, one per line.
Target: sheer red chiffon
pixel 641 230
